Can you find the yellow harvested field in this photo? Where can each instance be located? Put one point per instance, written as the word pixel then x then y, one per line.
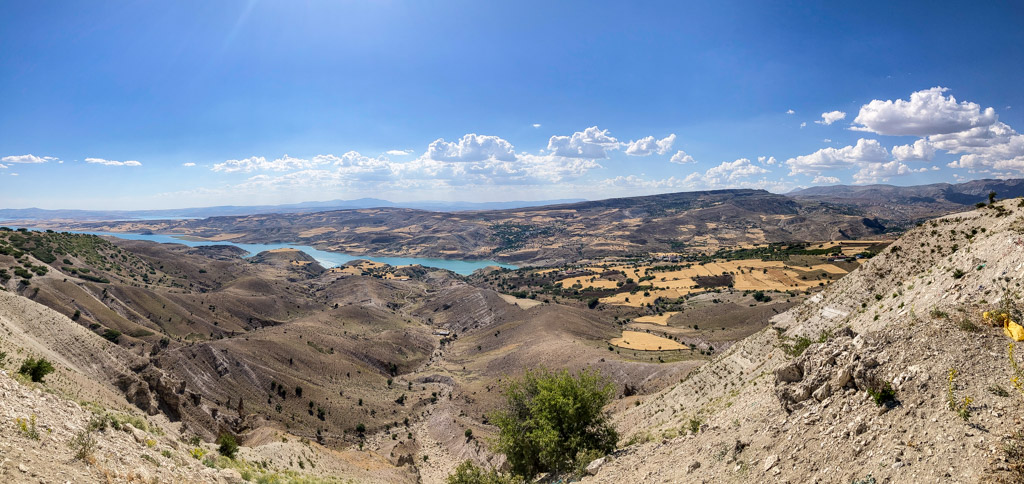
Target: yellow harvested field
pixel 301 263
pixel 283 249
pixel 521 302
pixel 317 231
pixel 585 281
pixel 655 319
pixel 638 299
pixel 637 340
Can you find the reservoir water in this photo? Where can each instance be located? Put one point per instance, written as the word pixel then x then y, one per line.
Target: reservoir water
pixel 325 258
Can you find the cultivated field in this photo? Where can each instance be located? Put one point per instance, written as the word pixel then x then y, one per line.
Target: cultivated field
pixel 638 340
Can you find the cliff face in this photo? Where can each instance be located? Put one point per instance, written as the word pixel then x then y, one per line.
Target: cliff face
pixel 895 329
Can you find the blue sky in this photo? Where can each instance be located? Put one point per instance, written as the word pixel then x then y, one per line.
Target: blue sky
pixel 171 104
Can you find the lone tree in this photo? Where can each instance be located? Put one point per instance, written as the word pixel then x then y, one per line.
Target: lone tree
pixel 553 422
pixel 228 445
pixel 991 197
pixel 36 369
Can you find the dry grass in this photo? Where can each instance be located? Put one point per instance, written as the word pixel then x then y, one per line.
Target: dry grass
pixel 637 340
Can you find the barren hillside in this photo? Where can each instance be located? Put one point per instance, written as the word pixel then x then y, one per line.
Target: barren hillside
pixel 901 322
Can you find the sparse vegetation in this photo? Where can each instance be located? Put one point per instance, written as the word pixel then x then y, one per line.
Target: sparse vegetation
pixel 83 444
pixel 961 407
pixel 469 473
pixel 883 395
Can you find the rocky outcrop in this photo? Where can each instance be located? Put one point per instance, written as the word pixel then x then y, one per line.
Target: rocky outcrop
pixel 843 362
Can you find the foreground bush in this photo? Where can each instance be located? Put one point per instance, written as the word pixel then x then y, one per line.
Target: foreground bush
pixel 553 422
pixel 36 369
pixel 469 473
pixel 228 445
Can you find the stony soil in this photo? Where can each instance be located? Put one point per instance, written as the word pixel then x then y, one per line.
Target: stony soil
pixel 904 319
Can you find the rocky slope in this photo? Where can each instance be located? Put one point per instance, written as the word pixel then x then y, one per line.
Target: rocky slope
pixel 901 322
pixel 41 421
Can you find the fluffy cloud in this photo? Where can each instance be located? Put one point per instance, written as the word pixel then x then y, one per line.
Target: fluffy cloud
pixel 27 159
pixel 694 181
pixel 398 152
pixel 831 117
pixel 767 160
pixel 536 125
pixel 973 139
pixel 826 159
pixel 101 161
pixel 880 172
pixel 471 147
pixel 733 170
pixel 1004 156
pixel 259 163
pixel 921 150
pixel 682 158
pixel 825 180
pixel 188 164
pixel 648 146
pixel 790 111
pixel 592 143
pixel 927 113
pixel 3 166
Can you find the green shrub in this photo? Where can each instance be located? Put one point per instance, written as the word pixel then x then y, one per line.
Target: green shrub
pixel 883 395
pixel 228 445
pixel 111 335
pixel 552 419
pixel 36 369
pixel 469 473
pixel 83 443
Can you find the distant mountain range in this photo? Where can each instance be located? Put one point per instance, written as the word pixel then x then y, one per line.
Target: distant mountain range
pixel 912 203
pixel 231 210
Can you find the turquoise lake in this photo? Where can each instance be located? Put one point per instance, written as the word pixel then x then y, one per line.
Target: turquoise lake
pixel 325 258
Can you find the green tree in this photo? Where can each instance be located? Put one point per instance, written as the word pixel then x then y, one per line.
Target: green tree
pixel 36 369
pixel 551 421
pixel 228 445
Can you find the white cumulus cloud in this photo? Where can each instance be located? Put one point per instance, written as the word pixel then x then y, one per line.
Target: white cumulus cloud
pixel 827 159
pixel 880 172
pixel 831 117
pixel 593 143
pixel 398 152
pixel 921 150
pixel 648 146
pixel 27 159
pixel 259 163
pixel 790 111
pixel 471 147
pixel 188 164
pixel 682 158
pixel 733 170
pixel 927 113
pixel 825 180
pixel 101 161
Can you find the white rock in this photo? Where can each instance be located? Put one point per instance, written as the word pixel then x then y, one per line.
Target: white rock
pixel 770 462
pixel 594 465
